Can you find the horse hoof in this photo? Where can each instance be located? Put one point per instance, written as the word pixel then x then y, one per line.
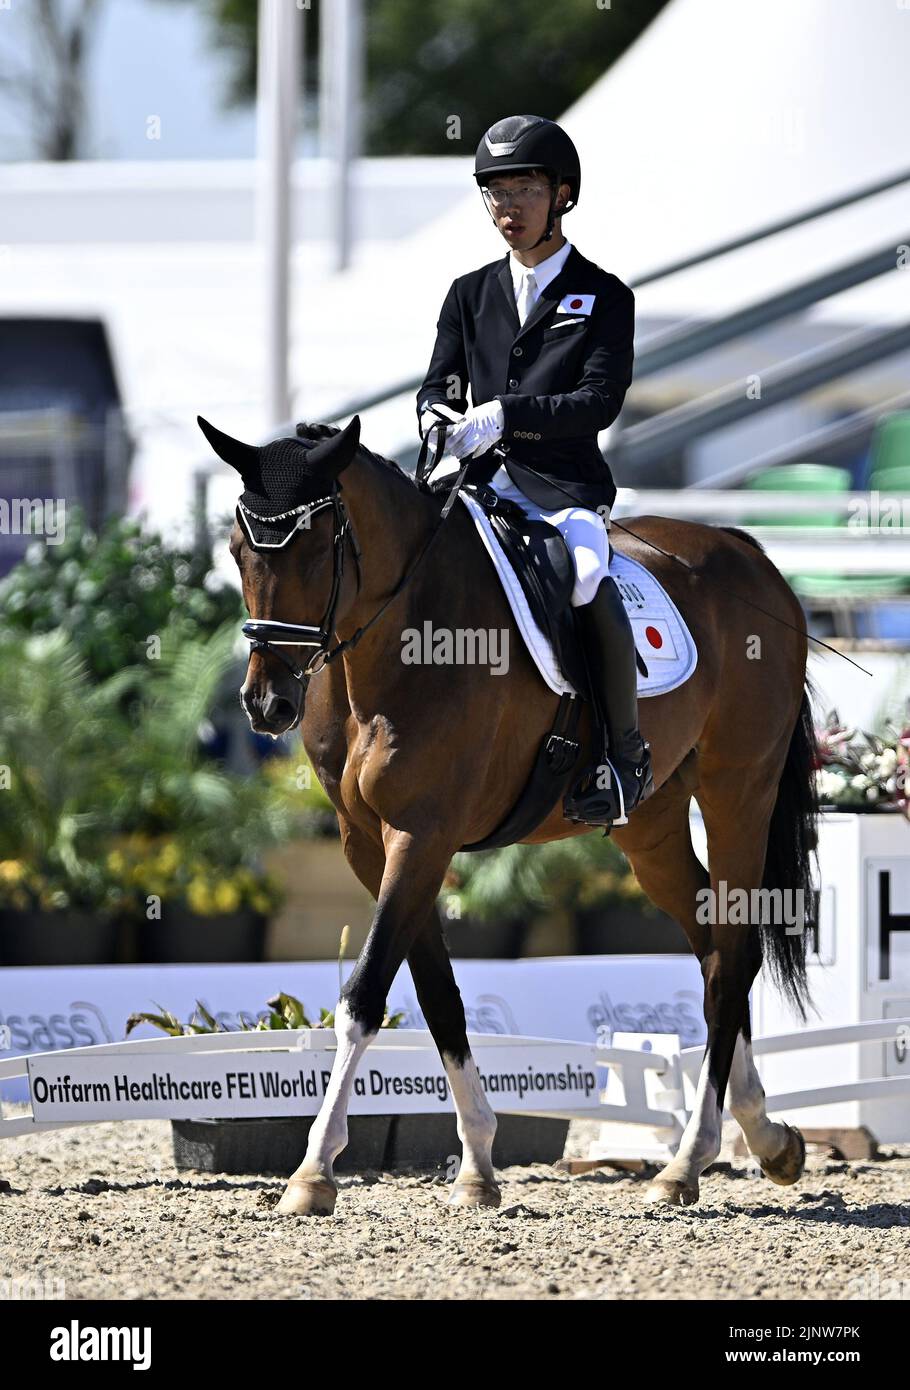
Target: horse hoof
pixel 787 1166
pixel 475 1194
pixel 668 1192
pixel 307 1197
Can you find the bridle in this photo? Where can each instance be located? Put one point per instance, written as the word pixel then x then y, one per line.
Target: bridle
pixel 267 635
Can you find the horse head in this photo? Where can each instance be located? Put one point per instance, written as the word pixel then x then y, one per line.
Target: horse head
pixel 290 566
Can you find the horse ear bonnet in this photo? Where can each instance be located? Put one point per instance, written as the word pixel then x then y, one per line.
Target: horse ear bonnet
pixel 284 479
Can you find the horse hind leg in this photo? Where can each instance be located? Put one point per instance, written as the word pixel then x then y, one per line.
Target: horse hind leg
pixel 658 842
pixel 779 1148
pixel 660 847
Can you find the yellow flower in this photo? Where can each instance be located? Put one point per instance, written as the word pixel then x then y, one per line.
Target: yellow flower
pixel 11 871
pixel 169 858
pixel 199 897
pixel 116 863
pixel 227 898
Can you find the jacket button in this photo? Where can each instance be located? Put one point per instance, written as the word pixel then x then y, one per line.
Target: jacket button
pixel 513 383
pixel 517 351
pixel 537 436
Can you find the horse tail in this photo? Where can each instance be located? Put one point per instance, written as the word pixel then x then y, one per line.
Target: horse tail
pixel 792 846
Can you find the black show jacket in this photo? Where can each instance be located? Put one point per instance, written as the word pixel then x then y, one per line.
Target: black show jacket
pixel 560 377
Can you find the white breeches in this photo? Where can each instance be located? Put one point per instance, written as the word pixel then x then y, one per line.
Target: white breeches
pixel 586 533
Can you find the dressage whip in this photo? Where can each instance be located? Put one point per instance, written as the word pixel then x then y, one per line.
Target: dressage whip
pixel 669 555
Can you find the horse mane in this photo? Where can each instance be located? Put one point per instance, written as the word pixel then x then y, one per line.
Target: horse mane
pixel 743 536
pixel 316 433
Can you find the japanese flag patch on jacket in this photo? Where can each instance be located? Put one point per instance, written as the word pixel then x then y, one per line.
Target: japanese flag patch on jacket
pixel 576 304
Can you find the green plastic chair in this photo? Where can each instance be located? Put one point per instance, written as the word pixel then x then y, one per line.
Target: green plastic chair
pixel 820 477
pixel 799 477
pixel 895 479
pixel 891 443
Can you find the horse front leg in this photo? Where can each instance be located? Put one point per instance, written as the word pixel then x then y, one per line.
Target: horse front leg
pixel 411 879
pixel 440 1000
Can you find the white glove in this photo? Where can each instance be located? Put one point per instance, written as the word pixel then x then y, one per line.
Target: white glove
pixel 436 414
pixel 478 431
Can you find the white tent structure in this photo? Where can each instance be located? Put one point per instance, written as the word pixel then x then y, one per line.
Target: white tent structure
pixel 723 116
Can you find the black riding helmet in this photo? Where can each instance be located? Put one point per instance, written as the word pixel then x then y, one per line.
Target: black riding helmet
pixel 530 142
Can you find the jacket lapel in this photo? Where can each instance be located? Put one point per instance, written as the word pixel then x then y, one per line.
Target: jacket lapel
pixel 548 300
pixel 504 276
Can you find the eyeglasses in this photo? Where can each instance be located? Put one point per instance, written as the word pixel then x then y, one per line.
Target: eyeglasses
pixel 506 197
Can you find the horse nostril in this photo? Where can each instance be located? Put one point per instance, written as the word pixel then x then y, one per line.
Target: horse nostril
pixel 279 711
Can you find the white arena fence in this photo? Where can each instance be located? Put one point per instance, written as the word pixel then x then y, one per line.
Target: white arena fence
pixel 895 1030
pixel 645 1097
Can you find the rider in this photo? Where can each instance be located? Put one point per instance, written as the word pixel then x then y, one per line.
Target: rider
pixel 544 340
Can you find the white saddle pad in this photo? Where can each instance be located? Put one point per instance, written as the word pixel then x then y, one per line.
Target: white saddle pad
pixel 664 641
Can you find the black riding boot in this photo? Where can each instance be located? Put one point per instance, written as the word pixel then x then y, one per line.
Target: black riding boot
pixel 621 778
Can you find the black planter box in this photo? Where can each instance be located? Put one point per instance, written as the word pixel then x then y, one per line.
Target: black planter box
pixel 384 1143
pixel 57 938
pixel 430 1141
pixel 182 937
pixel 273 1146
pixel 627 930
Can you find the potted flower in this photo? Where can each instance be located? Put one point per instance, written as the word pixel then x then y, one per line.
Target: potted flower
pixel 189 908
pixel 862 772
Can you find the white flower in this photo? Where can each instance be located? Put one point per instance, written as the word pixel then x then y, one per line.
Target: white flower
pixel 888 761
pixel 830 784
pixel 872 794
pixel 860 782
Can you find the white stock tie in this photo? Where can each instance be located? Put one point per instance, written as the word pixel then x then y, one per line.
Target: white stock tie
pixel 527 295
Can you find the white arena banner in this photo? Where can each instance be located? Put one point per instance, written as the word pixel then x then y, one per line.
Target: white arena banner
pixel 578 998
pixel 537 1077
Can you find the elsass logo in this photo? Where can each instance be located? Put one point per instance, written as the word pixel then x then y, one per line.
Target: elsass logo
pixel 75 1343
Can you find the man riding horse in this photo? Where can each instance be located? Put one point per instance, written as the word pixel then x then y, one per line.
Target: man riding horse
pixel 340 555
pixel 543 339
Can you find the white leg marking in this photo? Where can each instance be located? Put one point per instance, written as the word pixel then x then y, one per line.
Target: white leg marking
pixel 700 1143
pixel 476 1120
pixel 698 1147
pixel 329 1131
pixel 747 1104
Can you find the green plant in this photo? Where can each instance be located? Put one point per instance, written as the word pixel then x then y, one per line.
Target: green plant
pixel 284 1012
pixel 113 591
pixel 60 787
pixel 585 871
pixel 104 802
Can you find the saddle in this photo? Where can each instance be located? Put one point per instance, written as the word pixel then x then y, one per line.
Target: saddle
pixel 541 560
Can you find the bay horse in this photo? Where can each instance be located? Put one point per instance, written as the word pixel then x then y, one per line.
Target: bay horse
pixel 421 759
